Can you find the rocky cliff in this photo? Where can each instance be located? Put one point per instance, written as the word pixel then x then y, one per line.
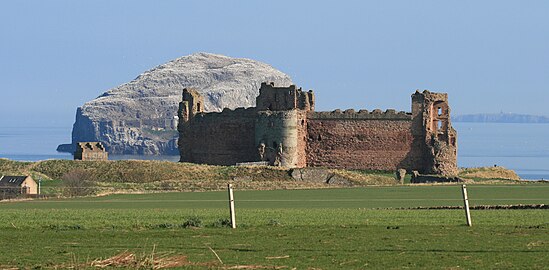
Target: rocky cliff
pixel 140 117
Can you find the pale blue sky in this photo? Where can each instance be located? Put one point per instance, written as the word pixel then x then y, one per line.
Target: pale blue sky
pixel 490 56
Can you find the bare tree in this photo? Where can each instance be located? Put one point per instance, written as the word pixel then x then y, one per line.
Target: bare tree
pixel 77 182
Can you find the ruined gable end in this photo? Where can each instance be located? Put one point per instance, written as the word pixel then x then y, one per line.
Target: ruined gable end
pixel 90 151
pixel 191 104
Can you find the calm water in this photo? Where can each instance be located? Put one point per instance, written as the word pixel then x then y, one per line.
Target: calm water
pixel 39 143
pixel 521 147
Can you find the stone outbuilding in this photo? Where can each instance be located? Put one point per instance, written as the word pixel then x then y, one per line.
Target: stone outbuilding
pixel 90 151
pixel 13 186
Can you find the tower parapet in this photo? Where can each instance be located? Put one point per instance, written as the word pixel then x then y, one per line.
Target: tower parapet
pixel 284 98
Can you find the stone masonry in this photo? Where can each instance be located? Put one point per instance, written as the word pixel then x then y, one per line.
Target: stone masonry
pixel 90 151
pixel 284 130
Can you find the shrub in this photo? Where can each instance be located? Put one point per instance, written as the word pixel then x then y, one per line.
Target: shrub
pixel 192 222
pixel 221 223
pixel 164 226
pixel 77 182
pixel 274 222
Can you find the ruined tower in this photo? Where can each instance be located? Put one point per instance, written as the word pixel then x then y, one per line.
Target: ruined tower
pixel 280 129
pixel 191 104
pixel 433 132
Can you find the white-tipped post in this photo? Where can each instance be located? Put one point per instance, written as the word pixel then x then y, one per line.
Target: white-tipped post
pixel 466 205
pixel 231 206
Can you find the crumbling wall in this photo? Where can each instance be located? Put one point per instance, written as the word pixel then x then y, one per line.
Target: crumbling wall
pixel 432 125
pixel 361 140
pixel 224 138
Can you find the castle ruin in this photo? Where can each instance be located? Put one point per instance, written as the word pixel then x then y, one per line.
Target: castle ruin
pixel 284 130
pixel 91 151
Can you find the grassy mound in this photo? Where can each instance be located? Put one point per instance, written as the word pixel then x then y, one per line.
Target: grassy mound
pixel 139 171
pixel 361 178
pixel 144 175
pixel 140 175
pixel 495 173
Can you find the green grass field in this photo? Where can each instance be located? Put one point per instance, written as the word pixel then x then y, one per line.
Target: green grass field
pixel 303 229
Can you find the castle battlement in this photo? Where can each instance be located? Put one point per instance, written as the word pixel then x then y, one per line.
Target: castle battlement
pixel 284 130
pixel 237 112
pixel 376 114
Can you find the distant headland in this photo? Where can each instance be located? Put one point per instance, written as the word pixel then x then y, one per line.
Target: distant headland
pixel 501 118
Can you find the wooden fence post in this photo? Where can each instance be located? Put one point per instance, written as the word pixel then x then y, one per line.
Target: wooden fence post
pixel 231 206
pixel 466 205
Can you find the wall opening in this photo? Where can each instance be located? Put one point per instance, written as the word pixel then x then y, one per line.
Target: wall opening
pixel 439 125
pixel 439 111
pixel 198 107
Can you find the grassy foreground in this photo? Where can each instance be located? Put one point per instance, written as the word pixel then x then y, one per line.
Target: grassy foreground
pixel 281 229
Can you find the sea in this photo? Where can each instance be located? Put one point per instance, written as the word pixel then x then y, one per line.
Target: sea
pixel 520 147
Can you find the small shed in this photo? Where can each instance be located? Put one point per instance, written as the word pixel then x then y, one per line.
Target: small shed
pixel 15 185
pixel 91 151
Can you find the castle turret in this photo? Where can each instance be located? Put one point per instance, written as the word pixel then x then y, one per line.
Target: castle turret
pixel 284 98
pixel 191 104
pixel 280 129
pixel 433 132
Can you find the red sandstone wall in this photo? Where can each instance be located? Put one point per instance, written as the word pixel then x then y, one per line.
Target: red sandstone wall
pixel 361 144
pixel 221 139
